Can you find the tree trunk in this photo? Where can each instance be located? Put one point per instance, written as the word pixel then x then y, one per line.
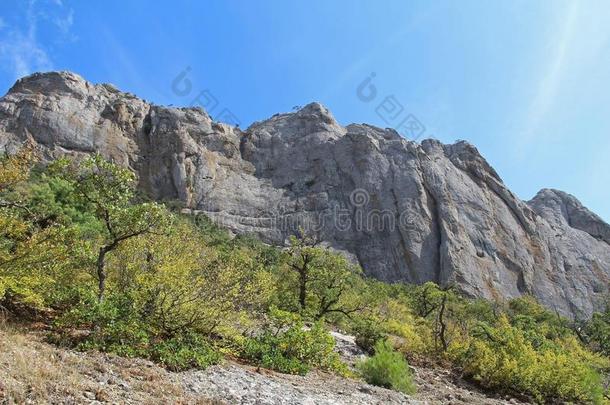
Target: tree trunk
pixel 441 321
pixel 101 272
pixel 302 288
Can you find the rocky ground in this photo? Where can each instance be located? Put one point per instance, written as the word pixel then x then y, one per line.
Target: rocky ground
pixel 33 372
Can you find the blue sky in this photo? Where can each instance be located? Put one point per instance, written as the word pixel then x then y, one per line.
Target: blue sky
pixel 527 82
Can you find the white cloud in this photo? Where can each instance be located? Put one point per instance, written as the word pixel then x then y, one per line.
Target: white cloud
pixel 2 23
pixel 21 51
pixel 23 54
pixel 65 23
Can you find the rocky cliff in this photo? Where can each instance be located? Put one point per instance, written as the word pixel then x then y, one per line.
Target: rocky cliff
pixel 405 211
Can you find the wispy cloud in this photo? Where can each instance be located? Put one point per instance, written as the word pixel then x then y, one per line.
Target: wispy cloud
pixel 65 23
pixel 21 50
pixel 571 57
pixel 550 82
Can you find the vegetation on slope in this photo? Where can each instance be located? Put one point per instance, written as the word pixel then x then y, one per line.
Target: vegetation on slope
pixel 120 274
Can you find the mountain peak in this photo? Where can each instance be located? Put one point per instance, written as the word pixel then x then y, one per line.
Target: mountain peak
pixel 61 81
pixel 556 205
pixel 316 111
pixel 406 212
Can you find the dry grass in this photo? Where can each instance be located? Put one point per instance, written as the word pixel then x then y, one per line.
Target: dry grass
pixel 32 371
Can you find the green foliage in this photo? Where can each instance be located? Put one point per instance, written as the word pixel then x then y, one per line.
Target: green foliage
pixel 270 257
pixel 391 313
pixel 110 192
pixel 287 346
pixel 503 357
pixel 180 290
pixel 179 283
pixel 368 332
pixel 116 326
pixel 321 284
pixel 55 199
pixel 113 326
pixel 597 331
pixel 186 351
pixel 539 325
pixel 36 250
pixel 388 369
pixel 444 309
pixel 213 234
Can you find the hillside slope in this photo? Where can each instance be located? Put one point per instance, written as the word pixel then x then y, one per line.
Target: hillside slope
pixel 35 372
pixel 405 211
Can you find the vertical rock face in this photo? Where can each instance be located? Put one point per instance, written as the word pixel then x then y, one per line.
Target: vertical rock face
pixel 405 211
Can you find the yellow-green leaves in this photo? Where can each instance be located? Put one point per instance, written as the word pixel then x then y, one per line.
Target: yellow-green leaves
pixel 109 190
pixel 16 168
pixel 503 358
pixel 184 284
pixel 34 251
pixel 323 282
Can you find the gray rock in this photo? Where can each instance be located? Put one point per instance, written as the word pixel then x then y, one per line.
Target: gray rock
pixel 405 211
pixel 89 395
pixel 238 384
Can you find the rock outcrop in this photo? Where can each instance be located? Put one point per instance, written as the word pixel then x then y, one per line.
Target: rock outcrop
pixel 405 211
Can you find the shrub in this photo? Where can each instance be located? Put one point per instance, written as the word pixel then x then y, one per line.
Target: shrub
pixel 415 336
pixel 112 324
pixel 184 352
pixel 180 283
pixel 504 358
pixel 388 369
pixel 598 332
pixel 115 327
pixel 287 346
pixel 368 332
pixel 169 288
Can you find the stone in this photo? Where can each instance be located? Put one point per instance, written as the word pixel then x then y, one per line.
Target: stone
pixel 406 212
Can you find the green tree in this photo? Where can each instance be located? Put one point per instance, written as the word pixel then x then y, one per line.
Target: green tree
pixel 180 283
pixel 33 248
pixel 326 282
pixel 110 191
pixel 303 257
pixel 597 331
pixel 440 305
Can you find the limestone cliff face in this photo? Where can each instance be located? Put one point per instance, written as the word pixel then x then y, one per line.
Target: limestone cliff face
pixel 405 211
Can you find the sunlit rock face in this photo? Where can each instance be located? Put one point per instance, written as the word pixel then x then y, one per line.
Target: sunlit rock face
pixel 404 211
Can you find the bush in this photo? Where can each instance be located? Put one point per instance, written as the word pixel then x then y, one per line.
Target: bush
pixel 112 324
pixel 180 283
pixel 115 327
pixel 287 346
pixel 388 369
pixel 167 290
pixel 185 352
pixel 368 332
pixel 503 358
pixel 598 332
